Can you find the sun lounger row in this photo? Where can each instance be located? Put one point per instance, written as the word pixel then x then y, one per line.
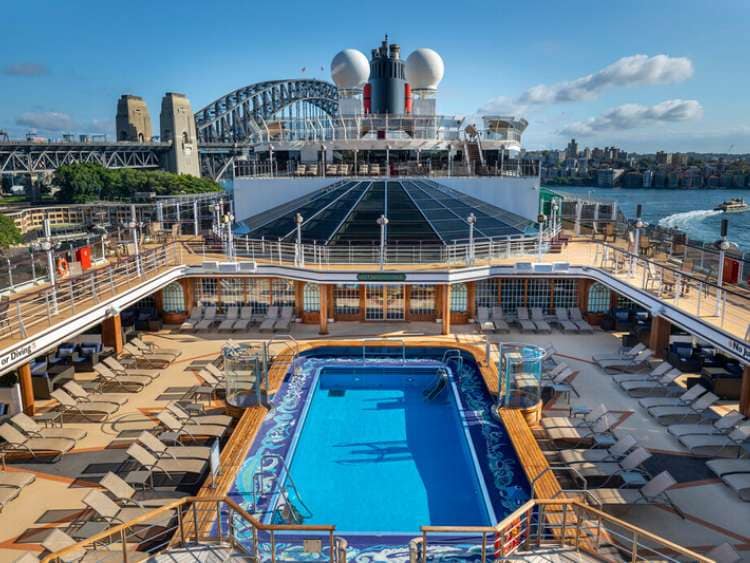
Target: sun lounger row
pixel 239 318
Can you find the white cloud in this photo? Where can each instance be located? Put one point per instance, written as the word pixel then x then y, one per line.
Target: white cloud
pixel 628 71
pixel 46 120
pixel 630 116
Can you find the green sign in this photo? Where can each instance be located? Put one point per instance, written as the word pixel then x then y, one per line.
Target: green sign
pixel 381 277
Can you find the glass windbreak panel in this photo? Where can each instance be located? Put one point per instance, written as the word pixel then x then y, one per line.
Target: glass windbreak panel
pixel 394 295
pixel 346 299
pixel 520 373
pixel 243 369
pixel 374 310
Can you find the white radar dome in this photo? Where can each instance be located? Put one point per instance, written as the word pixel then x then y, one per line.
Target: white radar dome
pixel 350 69
pixel 424 69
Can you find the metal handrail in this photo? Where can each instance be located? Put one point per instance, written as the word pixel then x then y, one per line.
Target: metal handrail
pixel 384 339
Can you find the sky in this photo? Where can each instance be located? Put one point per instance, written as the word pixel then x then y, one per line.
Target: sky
pixel 643 75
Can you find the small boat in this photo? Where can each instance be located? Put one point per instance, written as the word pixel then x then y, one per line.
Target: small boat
pixel 734 205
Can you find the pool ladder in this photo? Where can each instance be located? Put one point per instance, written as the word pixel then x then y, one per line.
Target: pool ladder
pixel 441 383
pixel 286 507
pixel 454 354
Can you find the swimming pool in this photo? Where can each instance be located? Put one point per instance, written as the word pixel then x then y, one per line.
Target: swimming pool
pixel 374 454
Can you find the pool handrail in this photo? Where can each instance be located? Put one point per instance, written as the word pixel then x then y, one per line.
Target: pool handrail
pixel 384 339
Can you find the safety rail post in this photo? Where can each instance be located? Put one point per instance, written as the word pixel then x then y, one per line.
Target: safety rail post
pixel 332 546
pixel 424 546
pixel 124 546
pixel 72 296
pixel 634 549
pixel 181 524
pixel 21 327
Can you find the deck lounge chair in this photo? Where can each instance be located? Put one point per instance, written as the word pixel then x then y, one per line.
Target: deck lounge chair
pixel 616 452
pixel 130 383
pixel 717 445
pixel 630 365
pixel 165 466
pixel 58 540
pixel 498 319
pixel 686 398
pixel 215 371
pixel 184 416
pixel 610 469
pixel 537 317
pixel 160 449
pixel 692 413
pixel 31 428
pixel 577 319
pixel 11 485
pixel 193 320
pixel 113 514
pixel 560 384
pixel 90 410
pixel 272 315
pixel 17 442
pixel 651 387
pixel 524 321
pixel 722 425
pixel 483 320
pixel 231 317
pixel 566 422
pixel 651 492
pixel 562 320
pixel 151 360
pixel 246 317
pixel 622 353
pixel 724 553
pixel 152 348
pixel 124 494
pixel 655 374
pixel 192 431
pixel 285 319
pixel 80 394
pixel 120 369
pixel 8 494
pixel 599 433
pixel 209 317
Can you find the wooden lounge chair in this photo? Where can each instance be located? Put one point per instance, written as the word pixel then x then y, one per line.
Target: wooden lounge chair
pixel 209 317
pixel 88 409
pixel 120 369
pixel 483 320
pixel 165 466
pixel 576 318
pixel 246 318
pixel 537 317
pixel 32 429
pixel 80 394
pixel 565 324
pixel 57 540
pixel 230 319
pixel 285 319
pixel 160 449
pixel 722 425
pixel 498 318
pixel 37 447
pixel 195 317
pixel 617 451
pixel 269 321
pixel 129 383
pixel 526 324
pixel 124 494
pixel 152 348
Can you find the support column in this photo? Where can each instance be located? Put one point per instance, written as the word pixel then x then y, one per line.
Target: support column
pixel 323 288
pixel 299 298
pixel 745 392
pixel 112 333
pixel 446 307
pixel 27 389
pixel 659 337
pixel 471 303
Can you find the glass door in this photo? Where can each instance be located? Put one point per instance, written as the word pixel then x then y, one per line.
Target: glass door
pixel 394 302
pixel 374 303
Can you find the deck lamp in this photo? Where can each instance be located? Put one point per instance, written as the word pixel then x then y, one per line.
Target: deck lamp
pixel 639 224
pixel 382 221
pixel 555 208
pixel 228 220
pixel 298 219
pixel 541 218
pixel 723 245
pixel 471 220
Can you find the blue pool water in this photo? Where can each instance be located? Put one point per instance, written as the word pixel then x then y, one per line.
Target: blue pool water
pixel 373 454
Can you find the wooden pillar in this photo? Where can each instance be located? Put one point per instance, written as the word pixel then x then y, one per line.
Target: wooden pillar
pixel 27 389
pixel 659 337
pixel 323 288
pixel 446 306
pixel 188 295
pixel 471 304
pixel 745 392
pixel 112 333
pixel 299 298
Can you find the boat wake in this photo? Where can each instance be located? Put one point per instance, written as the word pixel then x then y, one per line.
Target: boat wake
pixel 682 220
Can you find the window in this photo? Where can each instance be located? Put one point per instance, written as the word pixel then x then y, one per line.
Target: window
pixel 599 298
pixel 566 293
pixel 173 298
pixel 458 298
pixel 207 291
pixel 311 298
pixel 346 299
pixel 259 295
pixel 283 293
pixel 538 294
pixel 232 291
pixel 145 303
pixel 422 300
pixel 625 303
pixel 487 293
pixel 512 294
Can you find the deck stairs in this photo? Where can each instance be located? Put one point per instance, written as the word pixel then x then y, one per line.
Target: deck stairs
pixel 201 553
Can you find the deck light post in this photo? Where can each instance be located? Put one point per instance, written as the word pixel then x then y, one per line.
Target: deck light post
pixel 195 217
pixel 48 247
pixel 382 221
pixel 723 245
pixel 133 226
pixel 639 224
pixel 228 221
pixel 471 220
pixel 540 220
pixel 555 211
pixel 217 218
pixel 300 255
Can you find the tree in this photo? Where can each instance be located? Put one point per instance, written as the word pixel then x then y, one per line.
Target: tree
pixel 9 233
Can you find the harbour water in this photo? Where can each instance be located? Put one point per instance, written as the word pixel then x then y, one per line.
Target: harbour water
pixel 690 211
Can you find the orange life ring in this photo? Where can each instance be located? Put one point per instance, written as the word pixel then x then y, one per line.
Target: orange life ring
pixel 62 267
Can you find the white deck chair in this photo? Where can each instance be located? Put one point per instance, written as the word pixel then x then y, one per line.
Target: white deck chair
pixel 209 317
pixel 195 316
pixel 622 353
pixel 232 315
pixel 576 318
pixel 652 491
pixel 722 425
pixel 692 413
pixel 483 320
pixel 592 455
pixel 285 319
pixel 522 314
pixel 717 445
pixel 246 317
pixel 537 317
pixel 686 398
pixel 498 319
pixel 651 387
pixel 31 428
pixel 272 315
pixel 565 324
